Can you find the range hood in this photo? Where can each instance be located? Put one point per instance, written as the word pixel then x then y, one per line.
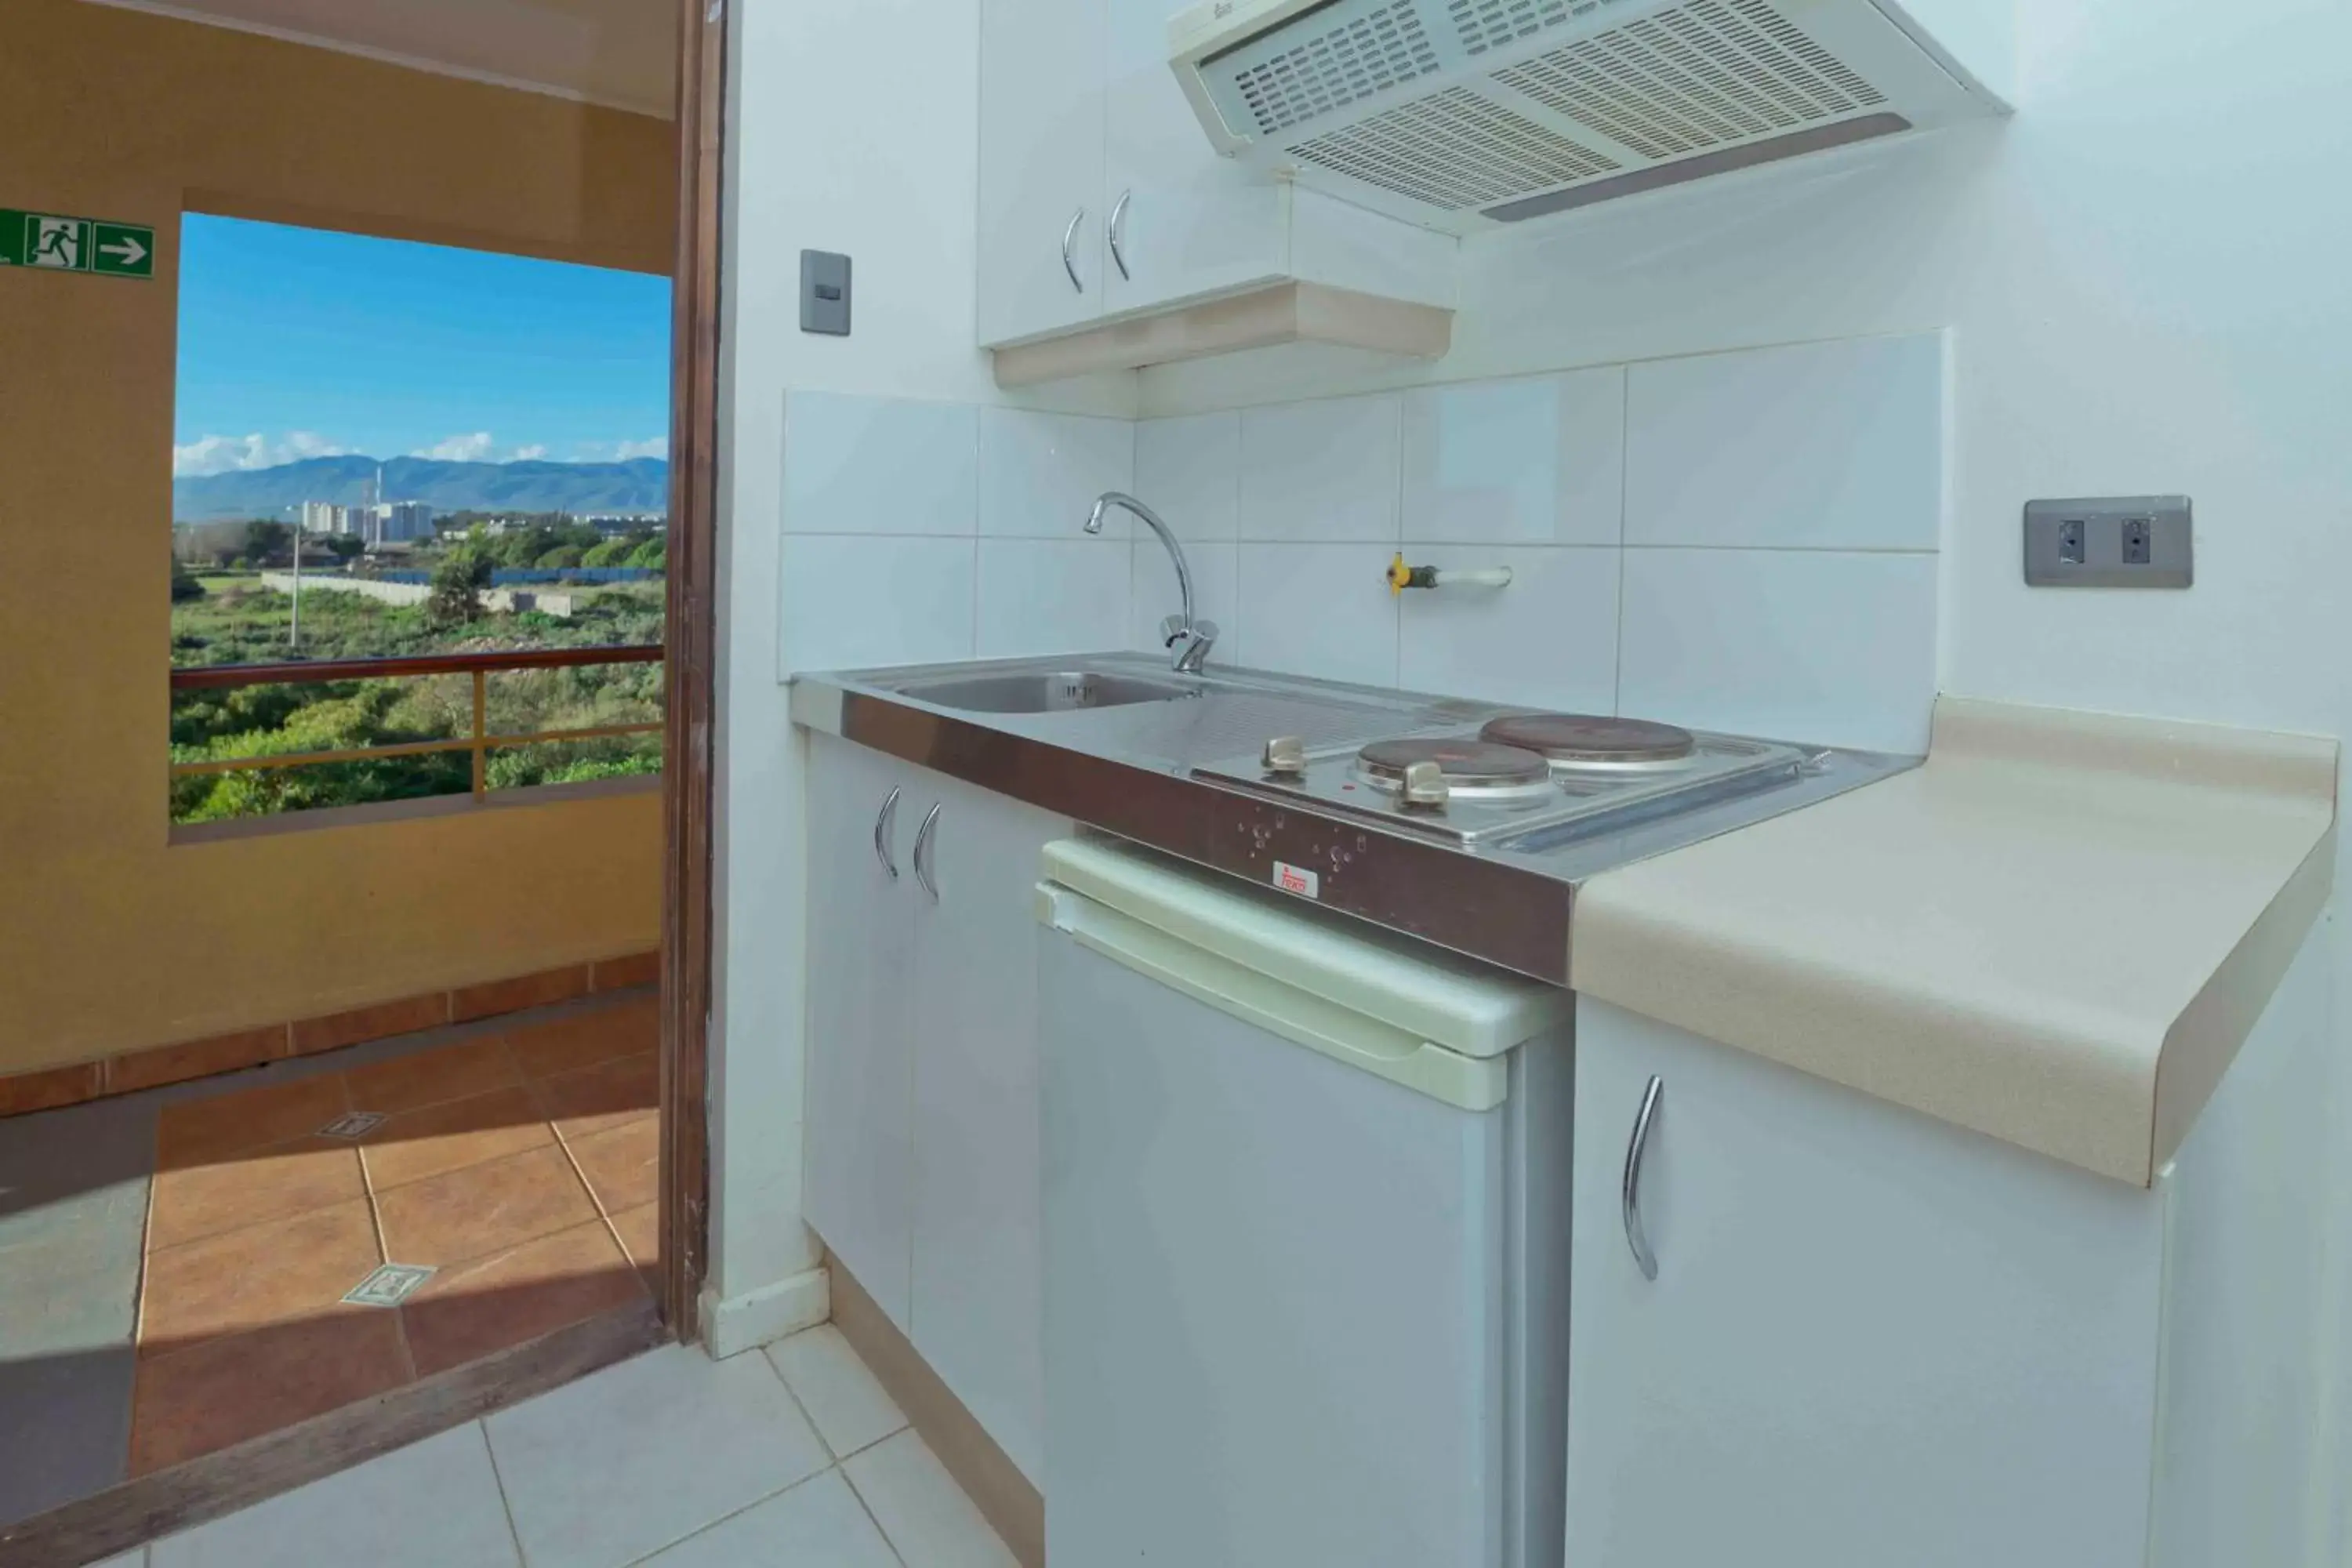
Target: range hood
pixel 1463 115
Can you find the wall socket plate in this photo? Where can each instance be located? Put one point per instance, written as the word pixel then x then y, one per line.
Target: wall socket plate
pixel 2114 542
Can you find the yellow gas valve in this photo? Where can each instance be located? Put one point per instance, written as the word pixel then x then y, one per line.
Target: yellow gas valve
pixel 1401 576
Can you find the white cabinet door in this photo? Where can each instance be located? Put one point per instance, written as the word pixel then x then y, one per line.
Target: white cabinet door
pixel 1193 223
pixel 1873 1338
pixel 978 1251
pixel 859 1168
pixel 1041 165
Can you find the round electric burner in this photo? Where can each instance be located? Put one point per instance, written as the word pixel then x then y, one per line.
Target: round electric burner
pixel 1474 770
pixel 1581 741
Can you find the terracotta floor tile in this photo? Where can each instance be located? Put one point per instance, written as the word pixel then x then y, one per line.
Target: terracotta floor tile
pixel 582 1039
pixel 450 1137
pixel 380 1021
pixel 260 1184
pixel 640 1232
pixel 626 974
pixel 483 1209
pixel 433 1077
pixel 50 1087
pixel 491 1303
pixel 195 1058
pixel 623 1166
pixel 228 1390
pixel 540 989
pixel 604 1097
pixel 263 1274
pixel 199 1131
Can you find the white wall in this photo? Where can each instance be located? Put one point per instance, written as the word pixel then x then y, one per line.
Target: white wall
pixel 2143 274
pixel 851 129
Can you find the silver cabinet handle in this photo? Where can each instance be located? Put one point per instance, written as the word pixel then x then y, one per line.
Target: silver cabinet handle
pixel 1118 228
pixel 882 821
pixel 923 836
pixel 1635 1238
pixel 1070 238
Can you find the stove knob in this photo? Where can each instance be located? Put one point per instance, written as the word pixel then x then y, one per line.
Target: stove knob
pixel 1287 755
pixel 1424 785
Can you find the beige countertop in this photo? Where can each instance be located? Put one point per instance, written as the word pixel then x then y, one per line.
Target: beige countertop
pixel 2058 932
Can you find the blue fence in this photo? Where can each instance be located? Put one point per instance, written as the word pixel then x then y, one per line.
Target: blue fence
pixel 510 576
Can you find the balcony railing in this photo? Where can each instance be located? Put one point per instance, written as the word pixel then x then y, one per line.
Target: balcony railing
pixel 480 741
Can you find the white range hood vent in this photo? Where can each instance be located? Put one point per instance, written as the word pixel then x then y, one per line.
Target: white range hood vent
pixel 1464 114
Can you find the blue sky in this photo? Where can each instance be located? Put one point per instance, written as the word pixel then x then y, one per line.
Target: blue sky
pixel 295 343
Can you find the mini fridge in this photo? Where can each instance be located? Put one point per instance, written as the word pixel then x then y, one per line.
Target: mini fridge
pixel 1306 1209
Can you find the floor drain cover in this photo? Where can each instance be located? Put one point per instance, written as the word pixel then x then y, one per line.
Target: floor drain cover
pixel 389 1286
pixel 356 1124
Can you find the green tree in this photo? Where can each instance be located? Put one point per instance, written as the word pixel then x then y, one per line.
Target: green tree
pixel 184 585
pixel 344 546
pixel 611 552
pixel 265 540
pixel 457 584
pixel 653 555
pixel 560 559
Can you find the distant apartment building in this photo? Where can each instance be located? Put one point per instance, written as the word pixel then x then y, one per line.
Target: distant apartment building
pixel 385 522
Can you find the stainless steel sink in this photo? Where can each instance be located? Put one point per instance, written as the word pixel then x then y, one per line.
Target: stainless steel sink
pixel 1060 691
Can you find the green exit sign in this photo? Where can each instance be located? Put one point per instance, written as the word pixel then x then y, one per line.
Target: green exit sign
pixel 60 243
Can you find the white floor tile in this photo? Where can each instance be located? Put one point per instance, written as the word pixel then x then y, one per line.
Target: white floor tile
pixel 817 1524
pixel 848 1404
pixel 644 1454
pixel 434 1501
pixel 920 1507
pixel 128 1560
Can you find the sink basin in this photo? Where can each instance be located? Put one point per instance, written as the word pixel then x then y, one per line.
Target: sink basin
pixel 1058 692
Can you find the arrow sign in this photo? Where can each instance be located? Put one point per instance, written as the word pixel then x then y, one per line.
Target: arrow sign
pixel 54 243
pixel 122 250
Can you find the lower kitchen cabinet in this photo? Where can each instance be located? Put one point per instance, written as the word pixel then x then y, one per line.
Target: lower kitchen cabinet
pixel 923 1170
pixel 1877 1338
pixel 1872 1338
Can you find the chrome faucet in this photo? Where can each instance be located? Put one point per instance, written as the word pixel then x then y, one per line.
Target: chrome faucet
pixel 1188 639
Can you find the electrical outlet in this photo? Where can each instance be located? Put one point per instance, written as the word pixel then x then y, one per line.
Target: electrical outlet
pixel 2121 541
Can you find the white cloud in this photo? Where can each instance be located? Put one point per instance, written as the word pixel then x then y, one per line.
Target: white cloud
pixel 621 451
pixel 476 448
pixel 233 454
pixel 527 454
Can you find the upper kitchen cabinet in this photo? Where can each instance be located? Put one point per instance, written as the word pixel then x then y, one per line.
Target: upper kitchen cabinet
pixel 1041 167
pixel 1112 236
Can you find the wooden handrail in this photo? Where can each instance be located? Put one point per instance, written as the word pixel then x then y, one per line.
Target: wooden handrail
pixel 298 672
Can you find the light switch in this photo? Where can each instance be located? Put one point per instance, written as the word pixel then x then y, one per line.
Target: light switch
pixel 824 293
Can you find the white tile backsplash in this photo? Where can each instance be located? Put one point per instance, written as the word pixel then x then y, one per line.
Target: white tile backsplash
pixel 880 465
pixel 1817 646
pixel 1320 472
pixel 1040 473
pixel 1319 610
pixel 1189 470
pixel 1825 446
pixel 1548 640
pixel 1216 593
pixel 1053 595
pixel 847 603
pixel 1767 521
pixel 1534 461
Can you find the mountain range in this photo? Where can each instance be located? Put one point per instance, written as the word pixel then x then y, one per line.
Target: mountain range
pixel 639 486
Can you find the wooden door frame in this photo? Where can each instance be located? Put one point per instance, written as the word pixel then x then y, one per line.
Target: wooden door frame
pixel 690 751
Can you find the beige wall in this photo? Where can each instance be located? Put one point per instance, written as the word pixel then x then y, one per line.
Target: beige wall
pixel 112 938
